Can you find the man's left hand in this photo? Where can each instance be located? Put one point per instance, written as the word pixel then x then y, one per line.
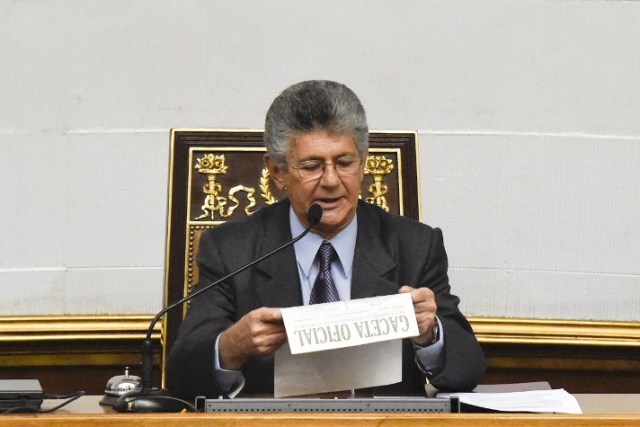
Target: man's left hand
pixel 424 305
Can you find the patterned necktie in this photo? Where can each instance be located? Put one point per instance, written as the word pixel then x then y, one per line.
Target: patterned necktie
pixel 324 289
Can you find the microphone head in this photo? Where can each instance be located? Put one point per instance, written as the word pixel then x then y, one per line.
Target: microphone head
pixel 314 214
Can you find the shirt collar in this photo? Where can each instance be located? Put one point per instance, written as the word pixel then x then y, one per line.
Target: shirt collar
pixel 306 248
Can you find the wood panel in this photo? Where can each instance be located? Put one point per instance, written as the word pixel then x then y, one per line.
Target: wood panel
pixel 82 353
pixel 86 412
pixel 74 353
pixel 578 369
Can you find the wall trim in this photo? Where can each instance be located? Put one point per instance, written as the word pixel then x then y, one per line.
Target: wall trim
pixel 491 330
pixel 76 328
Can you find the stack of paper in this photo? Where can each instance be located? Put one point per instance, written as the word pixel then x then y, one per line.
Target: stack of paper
pixel 542 401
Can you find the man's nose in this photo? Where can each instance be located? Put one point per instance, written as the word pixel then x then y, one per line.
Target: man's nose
pixel 329 175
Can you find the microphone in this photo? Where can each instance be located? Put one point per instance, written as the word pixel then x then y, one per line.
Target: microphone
pixel 152 399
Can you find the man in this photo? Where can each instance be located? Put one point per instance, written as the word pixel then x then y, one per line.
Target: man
pixel 316 136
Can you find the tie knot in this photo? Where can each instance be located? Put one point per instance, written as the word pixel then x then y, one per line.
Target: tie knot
pixel 327 253
pixel 324 288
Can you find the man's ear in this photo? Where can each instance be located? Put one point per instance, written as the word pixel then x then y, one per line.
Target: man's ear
pixel 275 172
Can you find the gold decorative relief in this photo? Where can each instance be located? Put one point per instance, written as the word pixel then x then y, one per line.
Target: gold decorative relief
pixel 217 205
pixel 213 165
pixel 265 190
pixel 378 167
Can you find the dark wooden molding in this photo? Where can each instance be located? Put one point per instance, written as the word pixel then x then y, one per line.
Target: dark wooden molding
pixel 243 151
pixel 576 368
pixel 83 352
pixel 72 353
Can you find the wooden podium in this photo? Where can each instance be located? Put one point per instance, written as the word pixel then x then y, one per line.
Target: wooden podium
pixel 599 409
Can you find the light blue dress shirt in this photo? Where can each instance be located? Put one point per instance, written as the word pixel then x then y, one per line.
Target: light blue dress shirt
pixel 306 250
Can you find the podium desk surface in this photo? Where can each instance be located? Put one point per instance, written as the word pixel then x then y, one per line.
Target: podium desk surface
pixel 599 409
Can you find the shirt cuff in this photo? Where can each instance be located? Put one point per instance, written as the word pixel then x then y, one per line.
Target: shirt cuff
pixel 430 359
pixel 229 381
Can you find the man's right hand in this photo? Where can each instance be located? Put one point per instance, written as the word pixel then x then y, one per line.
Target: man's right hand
pixel 258 333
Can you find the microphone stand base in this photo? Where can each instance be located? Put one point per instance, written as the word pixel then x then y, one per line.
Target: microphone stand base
pixel 149 400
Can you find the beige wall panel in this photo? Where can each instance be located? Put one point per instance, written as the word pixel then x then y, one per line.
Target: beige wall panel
pixel 528 113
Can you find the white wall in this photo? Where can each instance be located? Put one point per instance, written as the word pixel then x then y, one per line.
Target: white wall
pixel 528 113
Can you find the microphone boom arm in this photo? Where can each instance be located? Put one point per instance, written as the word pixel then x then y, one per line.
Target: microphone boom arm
pixel 313 217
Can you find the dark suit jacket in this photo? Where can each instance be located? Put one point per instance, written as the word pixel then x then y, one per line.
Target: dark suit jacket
pixel 391 251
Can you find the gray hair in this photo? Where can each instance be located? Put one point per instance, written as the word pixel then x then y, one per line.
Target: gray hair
pixel 314 105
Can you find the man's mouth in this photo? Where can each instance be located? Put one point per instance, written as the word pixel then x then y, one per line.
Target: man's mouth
pixel 327 203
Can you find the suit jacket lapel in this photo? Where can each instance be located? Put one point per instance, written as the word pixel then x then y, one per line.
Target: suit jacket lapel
pixel 277 279
pixel 372 261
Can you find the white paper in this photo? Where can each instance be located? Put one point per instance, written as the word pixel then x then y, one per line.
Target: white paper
pixel 343 345
pixel 541 401
pixel 347 368
pixel 349 323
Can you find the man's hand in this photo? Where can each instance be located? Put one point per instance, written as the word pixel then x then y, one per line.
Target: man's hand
pixel 424 305
pixel 258 333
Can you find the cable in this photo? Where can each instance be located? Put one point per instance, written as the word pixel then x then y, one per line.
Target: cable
pixel 129 404
pixel 70 398
pixel 61 396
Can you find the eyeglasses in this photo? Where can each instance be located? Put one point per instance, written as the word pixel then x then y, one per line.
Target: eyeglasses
pixel 313 169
